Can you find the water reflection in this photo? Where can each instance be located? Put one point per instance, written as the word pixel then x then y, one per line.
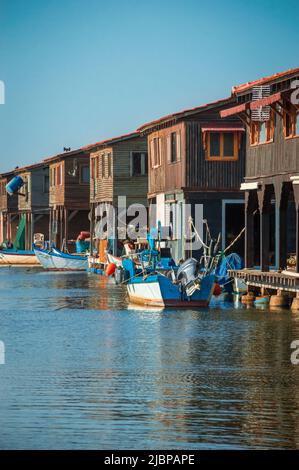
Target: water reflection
pixel 86 370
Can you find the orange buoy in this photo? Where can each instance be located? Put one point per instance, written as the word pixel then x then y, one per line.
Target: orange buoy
pixel 217 290
pixel 110 269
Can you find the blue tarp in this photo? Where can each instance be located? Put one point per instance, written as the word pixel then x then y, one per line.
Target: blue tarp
pixel 232 261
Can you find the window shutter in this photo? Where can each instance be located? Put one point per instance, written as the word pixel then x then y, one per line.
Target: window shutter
pixel 168 148
pixel 167 214
pixel 174 218
pixel 131 163
pixel 178 146
pixel 159 160
pixel 152 152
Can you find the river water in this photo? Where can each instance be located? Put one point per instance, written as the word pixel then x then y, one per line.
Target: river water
pixel 83 370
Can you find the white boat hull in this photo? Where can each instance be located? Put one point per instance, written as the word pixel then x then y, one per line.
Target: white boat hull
pixel 7 259
pixel 58 261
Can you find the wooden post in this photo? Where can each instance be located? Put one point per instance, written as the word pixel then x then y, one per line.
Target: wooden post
pixel 281 204
pixel 264 240
pixel 91 229
pixel 66 225
pixel 264 202
pixel 50 227
pixel 61 231
pixel 249 238
pixel 31 229
pixel 297 238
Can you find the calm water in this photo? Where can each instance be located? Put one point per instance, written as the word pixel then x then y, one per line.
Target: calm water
pixel 84 370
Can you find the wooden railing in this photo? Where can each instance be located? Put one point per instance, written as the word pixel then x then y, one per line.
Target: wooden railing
pixel 271 279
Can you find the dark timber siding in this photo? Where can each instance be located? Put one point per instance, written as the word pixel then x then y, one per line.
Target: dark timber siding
pixel 211 175
pixel 280 156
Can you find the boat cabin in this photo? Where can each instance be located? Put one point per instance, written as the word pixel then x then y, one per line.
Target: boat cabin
pixel 69 197
pixel 196 165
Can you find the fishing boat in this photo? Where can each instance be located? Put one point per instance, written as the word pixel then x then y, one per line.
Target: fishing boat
pixel 57 260
pixel 12 257
pixel 188 287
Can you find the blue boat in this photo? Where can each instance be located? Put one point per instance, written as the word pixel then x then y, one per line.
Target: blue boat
pixel 185 288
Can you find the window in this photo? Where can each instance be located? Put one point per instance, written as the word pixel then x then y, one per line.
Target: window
pixel 139 163
pixel 262 132
pixel 46 183
pixel 290 120
pixel 59 175
pixel 222 145
pixel 2 188
pixel 53 176
pixel 156 152
pixel 84 174
pixel 103 166
pixel 109 158
pixel 173 147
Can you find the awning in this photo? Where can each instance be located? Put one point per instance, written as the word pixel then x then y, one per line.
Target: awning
pixel 265 101
pixel 241 108
pixel 249 186
pixel 223 127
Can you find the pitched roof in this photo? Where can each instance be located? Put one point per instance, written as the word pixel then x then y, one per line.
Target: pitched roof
pixel 63 155
pixel 112 140
pixel 261 81
pixel 185 113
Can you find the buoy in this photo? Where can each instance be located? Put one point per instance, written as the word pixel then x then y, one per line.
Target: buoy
pixel 262 300
pixel 217 290
pixel 83 235
pixel 110 269
pixel 248 298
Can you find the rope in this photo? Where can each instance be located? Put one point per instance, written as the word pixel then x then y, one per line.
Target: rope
pixel 197 234
pixel 234 241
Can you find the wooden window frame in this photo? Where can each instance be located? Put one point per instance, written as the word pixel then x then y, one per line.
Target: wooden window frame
pixel 156 152
pixel 221 157
pixel 109 165
pixel 81 166
pixel 255 131
pixel 144 166
pixel 293 112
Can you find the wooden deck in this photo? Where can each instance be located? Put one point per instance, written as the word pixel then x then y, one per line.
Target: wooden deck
pixel 283 281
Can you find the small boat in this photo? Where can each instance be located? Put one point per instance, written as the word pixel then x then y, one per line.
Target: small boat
pixel 45 258
pixel 186 288
pixel 57 260
pixel 18 258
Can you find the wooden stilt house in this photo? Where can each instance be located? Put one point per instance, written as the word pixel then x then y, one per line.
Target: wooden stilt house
pixel 69 197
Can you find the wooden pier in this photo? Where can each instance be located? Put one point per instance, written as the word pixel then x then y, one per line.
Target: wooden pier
pixel 280 281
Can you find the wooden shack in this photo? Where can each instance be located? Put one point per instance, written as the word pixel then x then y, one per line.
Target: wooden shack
pixel 69 197
pixel 271 183
pixel 119 168
pixel 197 161
pixel 27 213
pixel 8 210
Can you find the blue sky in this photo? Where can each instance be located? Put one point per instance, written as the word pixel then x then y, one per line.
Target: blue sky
pixel 77 71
